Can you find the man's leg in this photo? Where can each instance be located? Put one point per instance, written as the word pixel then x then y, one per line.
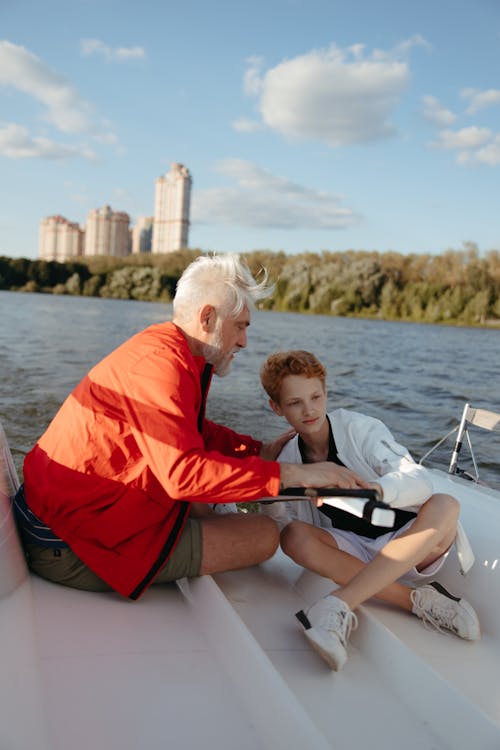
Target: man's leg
pixel 62 566
pixel 236 541
pixel 208 544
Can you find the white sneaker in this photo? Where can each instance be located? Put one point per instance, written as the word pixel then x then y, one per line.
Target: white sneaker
pixel 445 612
pixel 328 625
pixel 223 508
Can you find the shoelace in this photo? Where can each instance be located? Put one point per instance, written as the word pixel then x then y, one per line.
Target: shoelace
pixel 342 623
pixel 440 615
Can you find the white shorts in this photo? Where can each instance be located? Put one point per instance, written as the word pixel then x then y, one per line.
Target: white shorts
pixel 365 549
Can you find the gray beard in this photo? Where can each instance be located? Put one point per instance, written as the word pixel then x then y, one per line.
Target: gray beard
pixel 223 368
pixel 212 354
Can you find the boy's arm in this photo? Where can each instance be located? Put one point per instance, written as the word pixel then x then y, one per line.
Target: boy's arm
pixel 403 482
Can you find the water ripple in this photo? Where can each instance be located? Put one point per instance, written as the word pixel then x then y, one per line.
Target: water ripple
pixel 414 377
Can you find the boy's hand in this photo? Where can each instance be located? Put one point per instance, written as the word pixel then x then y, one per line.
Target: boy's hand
pixel 271 451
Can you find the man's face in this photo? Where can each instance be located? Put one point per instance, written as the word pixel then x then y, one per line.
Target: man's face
pixel 302 403
pixel 230 336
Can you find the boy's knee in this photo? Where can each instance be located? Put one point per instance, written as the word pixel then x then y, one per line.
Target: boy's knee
pixel 447 506
pixel 291 537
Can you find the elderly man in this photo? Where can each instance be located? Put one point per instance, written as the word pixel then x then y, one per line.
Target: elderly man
pixel 117 492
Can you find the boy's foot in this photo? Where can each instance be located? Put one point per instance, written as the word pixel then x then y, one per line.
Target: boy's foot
pixel 328 625
pixel 445 612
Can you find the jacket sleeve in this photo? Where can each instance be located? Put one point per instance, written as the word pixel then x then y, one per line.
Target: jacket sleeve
pixel 405 484
pixel 230 443
pixel 163 411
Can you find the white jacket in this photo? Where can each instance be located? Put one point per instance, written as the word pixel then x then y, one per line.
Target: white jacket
pixel 367 447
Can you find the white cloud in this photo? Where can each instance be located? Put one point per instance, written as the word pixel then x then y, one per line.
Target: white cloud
pixel 488 154
pixel 17 143
pixel 465 138
pixel 259 199
pixel 24 71
pixel 111 54
pixel 473 145
pixel 415 41
pixel 340 97
pixel 252 82
pixel 436 113
pixel 480 99
pixel 63 106
pixel 245 125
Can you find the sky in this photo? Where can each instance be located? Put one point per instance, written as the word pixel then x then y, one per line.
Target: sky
pixel 307 125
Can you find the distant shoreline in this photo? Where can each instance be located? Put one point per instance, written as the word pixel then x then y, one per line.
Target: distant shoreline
pixel 485 325
pixel 458 288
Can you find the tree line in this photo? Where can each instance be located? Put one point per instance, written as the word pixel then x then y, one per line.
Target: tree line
pixel 457 287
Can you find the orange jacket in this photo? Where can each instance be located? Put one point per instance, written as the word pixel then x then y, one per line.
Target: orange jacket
pixel 129 450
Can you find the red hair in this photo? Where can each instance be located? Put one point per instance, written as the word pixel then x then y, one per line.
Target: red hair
pixel 297 362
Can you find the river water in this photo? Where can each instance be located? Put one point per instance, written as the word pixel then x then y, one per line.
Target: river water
pixel 416 378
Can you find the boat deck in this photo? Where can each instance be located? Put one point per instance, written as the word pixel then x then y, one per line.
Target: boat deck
pixel 222 663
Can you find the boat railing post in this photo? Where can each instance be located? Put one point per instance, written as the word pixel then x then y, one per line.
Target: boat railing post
pixel 458 443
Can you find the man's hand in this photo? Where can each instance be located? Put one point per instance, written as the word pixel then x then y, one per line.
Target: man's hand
pixel 271 451
pixel 376 486
pixel 321 474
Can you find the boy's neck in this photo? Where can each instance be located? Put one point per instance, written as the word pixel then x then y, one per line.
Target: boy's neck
pixel 316 446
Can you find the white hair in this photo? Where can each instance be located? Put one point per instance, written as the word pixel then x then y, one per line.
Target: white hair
pixel 223 281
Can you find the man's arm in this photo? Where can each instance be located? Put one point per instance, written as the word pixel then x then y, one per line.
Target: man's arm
pixel 271 451
pixel 322 474
pixel 223 439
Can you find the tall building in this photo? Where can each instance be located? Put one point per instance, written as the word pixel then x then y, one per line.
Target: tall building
pixel 107 232
pixel 142 233
pixel 172 204
pixel 60 239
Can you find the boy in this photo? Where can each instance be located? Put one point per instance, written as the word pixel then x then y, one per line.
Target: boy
pixel 364 560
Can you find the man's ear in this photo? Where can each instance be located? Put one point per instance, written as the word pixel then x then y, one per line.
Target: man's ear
pixel 207 318
pixel 275 407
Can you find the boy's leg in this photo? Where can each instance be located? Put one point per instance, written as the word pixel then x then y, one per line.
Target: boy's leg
pixel 317 550
pixel 430 535
pixel 329 622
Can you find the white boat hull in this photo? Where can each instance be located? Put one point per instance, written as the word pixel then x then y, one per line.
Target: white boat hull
pixel 221 663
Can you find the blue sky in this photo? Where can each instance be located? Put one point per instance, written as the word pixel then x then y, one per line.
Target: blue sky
pixel 306 124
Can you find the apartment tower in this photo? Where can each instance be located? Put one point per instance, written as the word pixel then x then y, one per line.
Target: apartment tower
pixel 60 239
pixel 172 204
pixel 107 232
pixel 142 235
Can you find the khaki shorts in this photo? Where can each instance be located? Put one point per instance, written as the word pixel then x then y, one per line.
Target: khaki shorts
pixel 64 567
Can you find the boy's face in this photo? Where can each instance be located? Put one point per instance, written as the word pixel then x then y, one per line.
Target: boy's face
pixel 302 403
